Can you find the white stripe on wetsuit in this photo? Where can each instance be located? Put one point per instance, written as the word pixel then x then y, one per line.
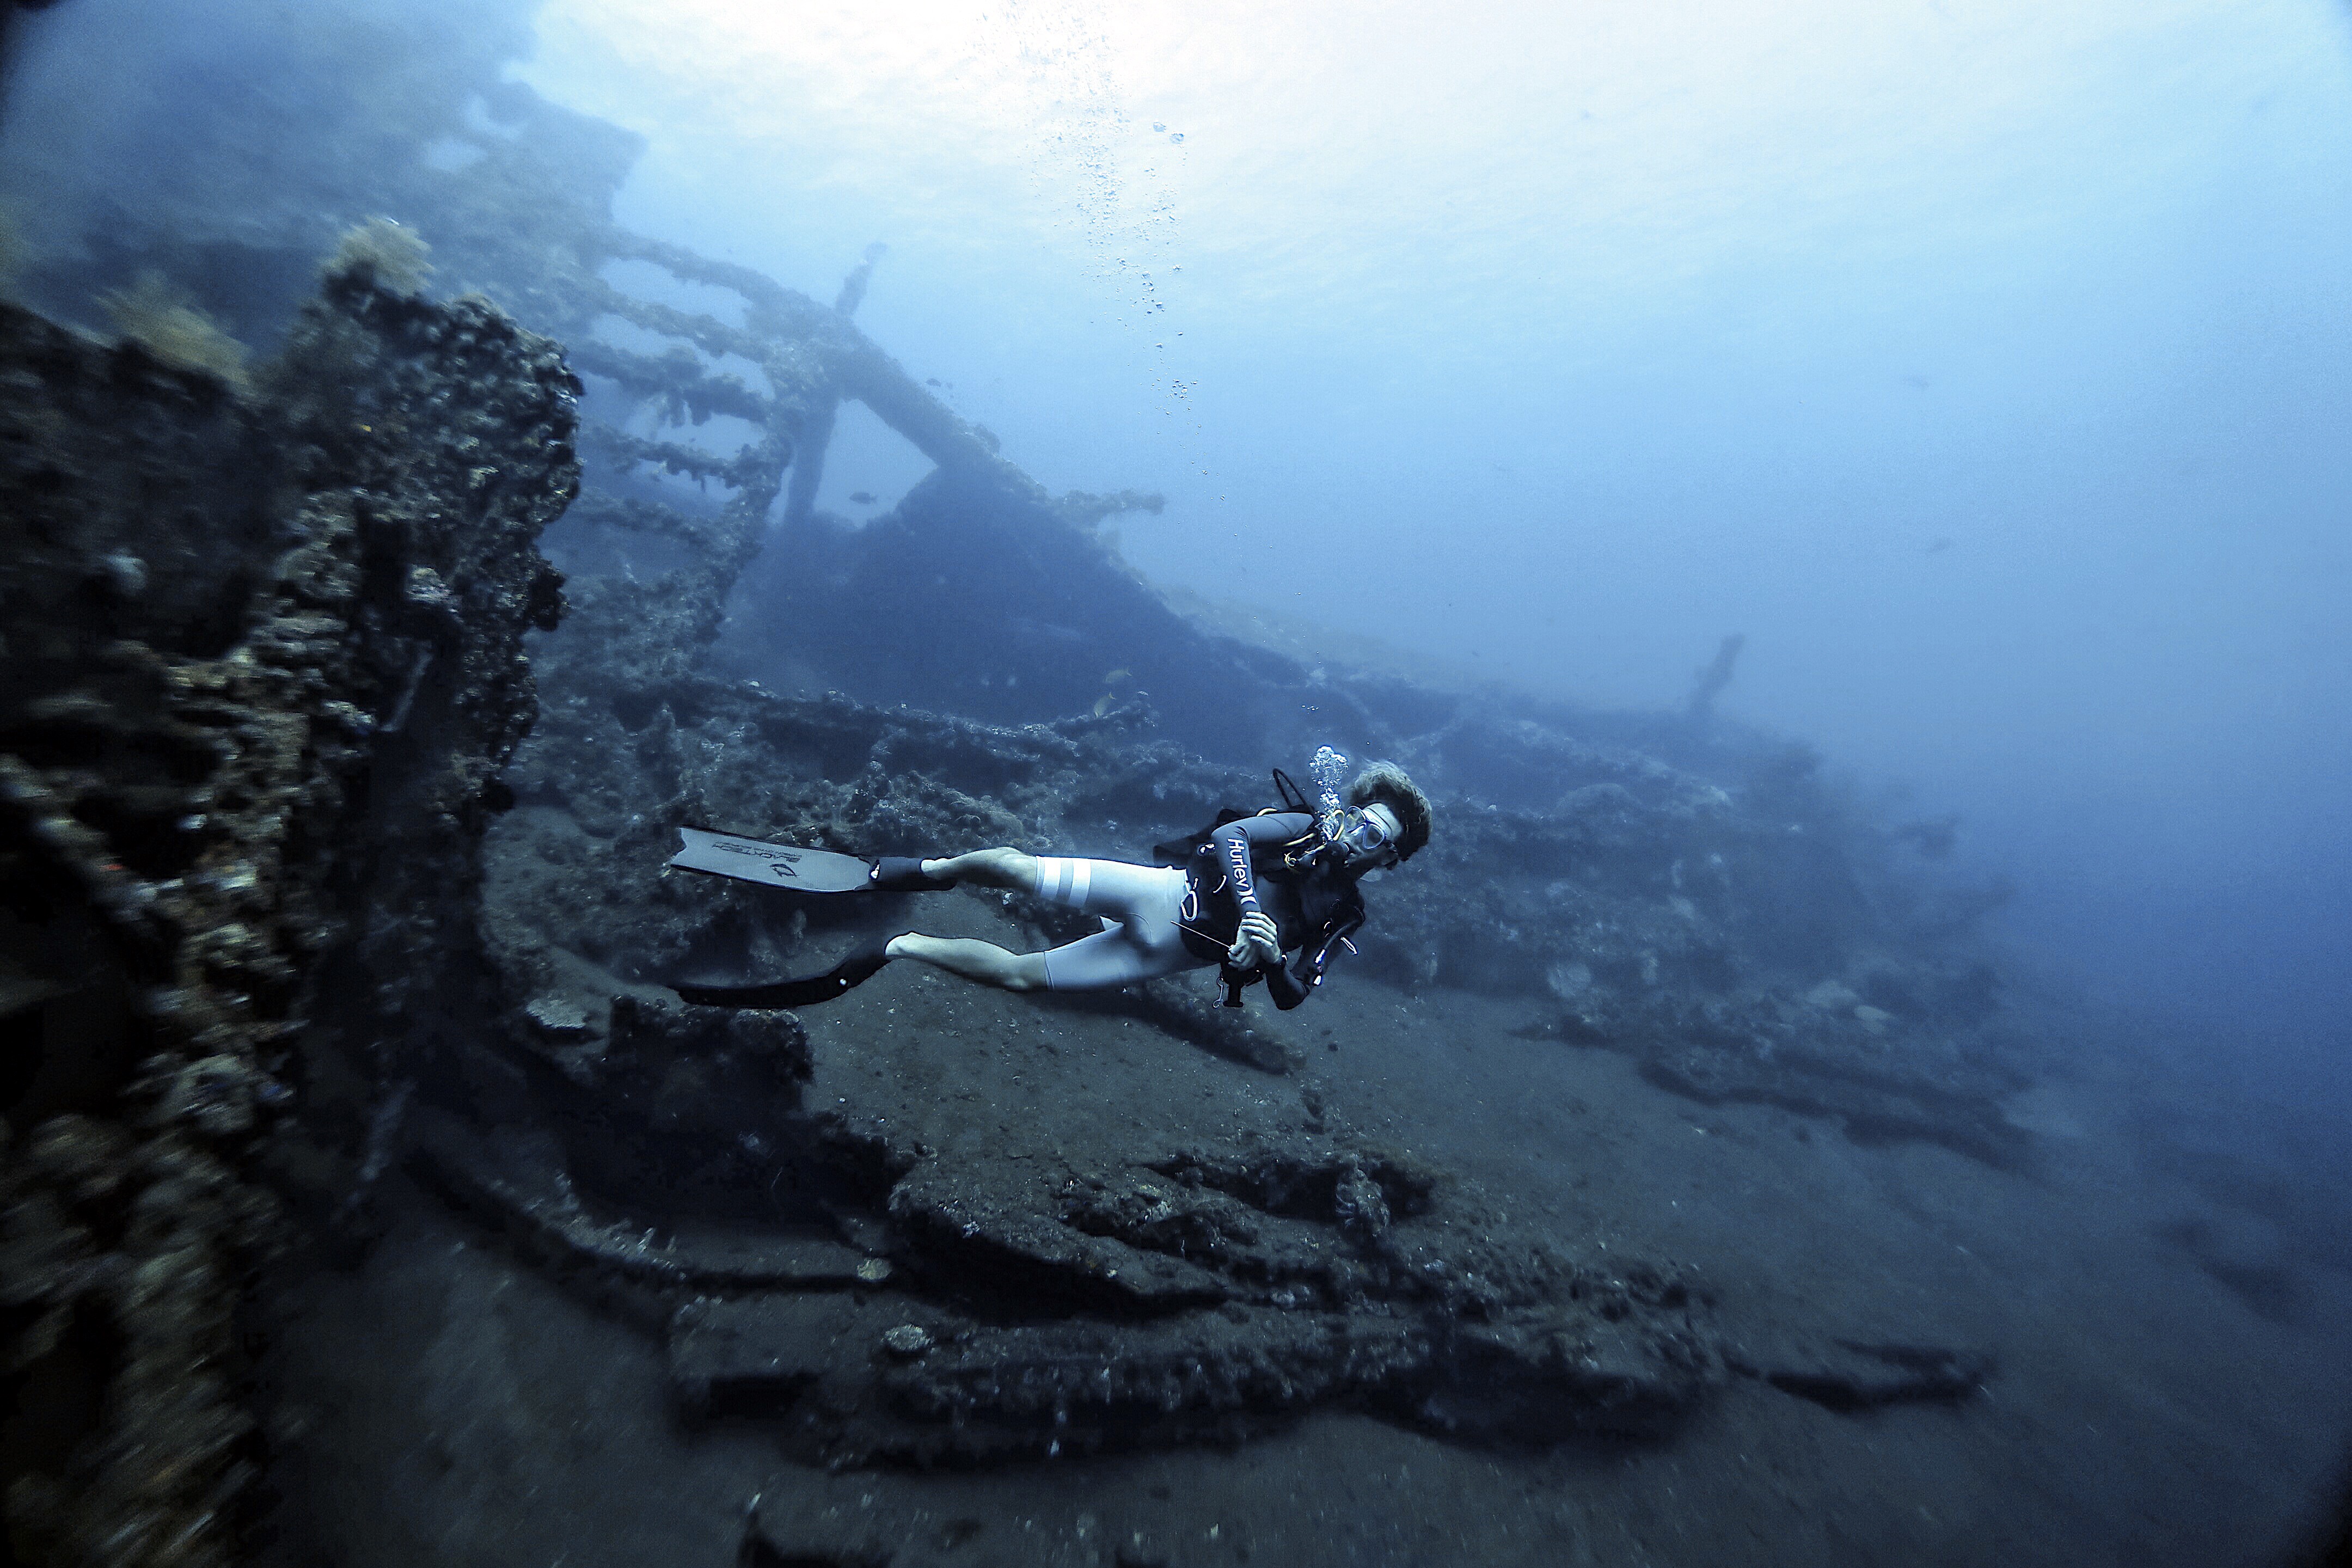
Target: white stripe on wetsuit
pixel 1063 881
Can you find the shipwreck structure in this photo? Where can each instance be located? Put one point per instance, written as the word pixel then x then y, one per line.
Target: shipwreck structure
pixel 340 744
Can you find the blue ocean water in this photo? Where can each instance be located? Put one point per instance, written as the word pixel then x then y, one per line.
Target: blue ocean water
pixel 1983 363
pixel 1984 367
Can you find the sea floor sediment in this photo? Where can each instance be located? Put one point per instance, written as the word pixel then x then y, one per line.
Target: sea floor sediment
pixel 458 1402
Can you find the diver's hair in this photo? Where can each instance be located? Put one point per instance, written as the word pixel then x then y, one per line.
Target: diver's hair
pixel 1387 784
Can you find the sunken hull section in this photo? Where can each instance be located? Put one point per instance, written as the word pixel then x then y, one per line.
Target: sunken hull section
pixel 264 666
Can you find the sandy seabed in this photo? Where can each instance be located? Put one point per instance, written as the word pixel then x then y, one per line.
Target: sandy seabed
pixel 447 1404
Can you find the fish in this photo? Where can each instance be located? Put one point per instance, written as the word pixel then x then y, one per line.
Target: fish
pixel 862 498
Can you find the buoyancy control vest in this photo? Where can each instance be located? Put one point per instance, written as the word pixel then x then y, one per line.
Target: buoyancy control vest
pixel 1317 896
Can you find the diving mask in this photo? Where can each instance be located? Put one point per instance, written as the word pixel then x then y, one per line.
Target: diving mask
pixel 1366 832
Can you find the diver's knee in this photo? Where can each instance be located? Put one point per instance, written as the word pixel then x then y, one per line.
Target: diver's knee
pixel 1007 868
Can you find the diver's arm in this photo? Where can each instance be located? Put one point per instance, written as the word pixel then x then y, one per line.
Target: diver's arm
pixel 1290 986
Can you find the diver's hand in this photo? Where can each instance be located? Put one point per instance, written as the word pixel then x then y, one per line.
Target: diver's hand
pixel 1257 945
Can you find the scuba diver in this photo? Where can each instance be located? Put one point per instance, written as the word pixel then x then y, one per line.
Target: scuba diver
pixel 1239 894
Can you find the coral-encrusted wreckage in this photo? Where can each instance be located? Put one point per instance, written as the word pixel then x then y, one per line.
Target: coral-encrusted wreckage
pixel 265 663
pixel 333 861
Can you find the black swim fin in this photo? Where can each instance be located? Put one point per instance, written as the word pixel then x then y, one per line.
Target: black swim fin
pixel 855 970
pixel 905 874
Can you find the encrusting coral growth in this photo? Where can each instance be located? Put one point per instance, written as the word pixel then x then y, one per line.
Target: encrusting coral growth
pixel 162 320
pixel 229 823
pixel 384 253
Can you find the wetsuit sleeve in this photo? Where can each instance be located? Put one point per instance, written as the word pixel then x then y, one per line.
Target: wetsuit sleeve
pixel 1290 986
pixel 1236 839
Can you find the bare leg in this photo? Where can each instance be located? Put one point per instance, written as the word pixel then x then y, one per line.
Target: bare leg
pixel 969 957
pixel 975 960
pixel 1006 868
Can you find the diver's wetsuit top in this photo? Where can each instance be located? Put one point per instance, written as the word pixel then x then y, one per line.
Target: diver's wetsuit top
pixel 1241 870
